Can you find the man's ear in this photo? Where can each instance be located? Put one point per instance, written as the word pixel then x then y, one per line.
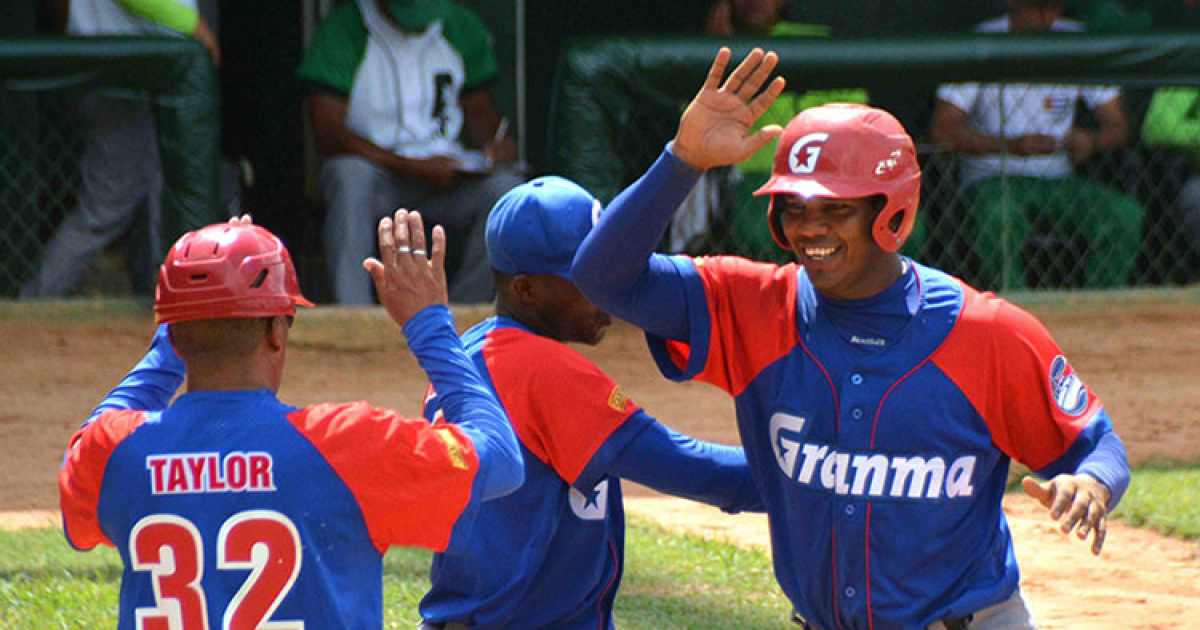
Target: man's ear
pixel 277 332
pixel 523 289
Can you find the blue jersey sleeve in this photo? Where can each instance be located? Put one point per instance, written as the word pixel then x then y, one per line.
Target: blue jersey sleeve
pixel 670 462
pixel 1109 464
pixel 151 383
pixel 616 267
pixel 466 400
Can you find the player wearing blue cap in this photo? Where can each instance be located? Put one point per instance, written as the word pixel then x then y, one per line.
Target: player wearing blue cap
pixel 879 401
pixel 232 509
pixel 550 555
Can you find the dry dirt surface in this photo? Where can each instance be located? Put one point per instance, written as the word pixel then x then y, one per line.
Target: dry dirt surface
pixel 1140 352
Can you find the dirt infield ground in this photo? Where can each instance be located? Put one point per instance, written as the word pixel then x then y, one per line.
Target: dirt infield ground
pixel 1140 352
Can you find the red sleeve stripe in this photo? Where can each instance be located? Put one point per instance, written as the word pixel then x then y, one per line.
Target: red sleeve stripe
pixel 82 474
pixel 411 479
pixel 752 310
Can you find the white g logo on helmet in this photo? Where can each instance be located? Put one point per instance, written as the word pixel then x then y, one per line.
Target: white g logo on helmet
pixel 807 148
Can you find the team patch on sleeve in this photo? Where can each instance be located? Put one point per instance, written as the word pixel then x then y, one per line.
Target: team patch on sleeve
pixel 1068 389
pixel 617 399
pixel 452 449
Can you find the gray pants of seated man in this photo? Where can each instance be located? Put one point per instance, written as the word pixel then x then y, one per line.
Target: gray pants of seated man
pixel 358 193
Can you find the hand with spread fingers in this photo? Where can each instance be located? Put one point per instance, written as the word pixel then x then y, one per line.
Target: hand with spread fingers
pixel 1077 502
pixel 407 276
pixel 715 128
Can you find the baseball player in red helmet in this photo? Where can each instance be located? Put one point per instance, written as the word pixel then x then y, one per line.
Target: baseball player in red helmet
pixel 879 401
pixel 232 509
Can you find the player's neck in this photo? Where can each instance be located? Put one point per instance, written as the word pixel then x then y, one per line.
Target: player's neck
pixel 244 374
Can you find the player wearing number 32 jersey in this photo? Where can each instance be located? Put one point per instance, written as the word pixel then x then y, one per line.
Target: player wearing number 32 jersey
pixel 232 509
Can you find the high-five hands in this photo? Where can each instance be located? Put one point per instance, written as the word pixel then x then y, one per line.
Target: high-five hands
pixel 1077 502
pixel 407 276
pixel 715 128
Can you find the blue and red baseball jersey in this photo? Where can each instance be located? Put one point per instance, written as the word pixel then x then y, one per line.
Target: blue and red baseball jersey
pixel 551 553
pixel 233 508
pixel 883 462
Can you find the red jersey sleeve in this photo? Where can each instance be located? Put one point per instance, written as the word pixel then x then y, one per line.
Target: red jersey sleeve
pixel 411 479
pixel 1006 363
pixel 561 405
pixel 82 474
pixel 752 319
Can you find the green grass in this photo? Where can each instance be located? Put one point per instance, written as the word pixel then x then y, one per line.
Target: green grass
pixel 671 580
pixel 1164 498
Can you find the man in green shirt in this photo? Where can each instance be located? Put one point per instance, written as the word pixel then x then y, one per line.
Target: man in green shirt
pixel 398 91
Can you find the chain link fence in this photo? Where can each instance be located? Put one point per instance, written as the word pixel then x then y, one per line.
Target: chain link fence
pixel 1124 217
pixel 39 174
pixel 43 83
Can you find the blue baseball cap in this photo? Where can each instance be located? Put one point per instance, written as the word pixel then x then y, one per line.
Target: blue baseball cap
pixel 536 227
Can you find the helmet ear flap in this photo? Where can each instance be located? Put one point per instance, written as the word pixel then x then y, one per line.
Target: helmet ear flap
pixel 775 220
pixel 899 210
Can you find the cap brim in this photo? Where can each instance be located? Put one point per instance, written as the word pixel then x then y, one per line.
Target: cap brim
pixel 809 188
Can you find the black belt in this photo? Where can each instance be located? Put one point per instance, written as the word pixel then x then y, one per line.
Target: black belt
pixel 951 624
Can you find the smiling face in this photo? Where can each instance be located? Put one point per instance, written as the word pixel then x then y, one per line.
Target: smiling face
pixel 832 239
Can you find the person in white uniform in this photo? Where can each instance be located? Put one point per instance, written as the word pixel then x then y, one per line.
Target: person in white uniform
pixel 1019 144
pixel 398 92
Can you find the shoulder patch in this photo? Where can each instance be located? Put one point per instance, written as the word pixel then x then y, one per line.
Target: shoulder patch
pixel 617 399
pixel 452 447
pixel 1070 394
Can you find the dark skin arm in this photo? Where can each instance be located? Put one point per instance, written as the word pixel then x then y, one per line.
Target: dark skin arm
pixel 1082 144
pixel 480 123
pixel 949 128
pixel 328 113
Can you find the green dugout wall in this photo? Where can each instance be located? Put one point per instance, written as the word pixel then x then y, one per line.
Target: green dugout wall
pixel 618 103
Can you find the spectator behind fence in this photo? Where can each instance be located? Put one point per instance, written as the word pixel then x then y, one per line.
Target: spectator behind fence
pixel 1172 121
pixel 1019 143
pixel 394 86
pixel 119 169
pixel 722 194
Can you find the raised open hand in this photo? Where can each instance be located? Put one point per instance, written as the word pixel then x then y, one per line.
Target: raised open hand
pixel 407 276
pixel 715 128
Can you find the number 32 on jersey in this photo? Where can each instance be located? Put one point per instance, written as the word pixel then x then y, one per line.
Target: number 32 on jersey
pixel 263 542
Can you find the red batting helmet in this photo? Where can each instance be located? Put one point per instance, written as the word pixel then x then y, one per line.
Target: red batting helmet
pixel 845 150
pixel 227 270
